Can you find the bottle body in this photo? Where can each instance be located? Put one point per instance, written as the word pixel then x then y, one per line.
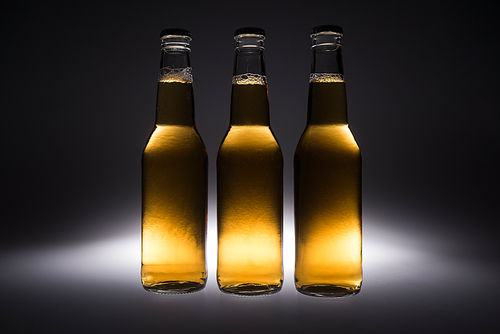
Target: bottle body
pixel 174 192
pixel 327 184
pixel 249 195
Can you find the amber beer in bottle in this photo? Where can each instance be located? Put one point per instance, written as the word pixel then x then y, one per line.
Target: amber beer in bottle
pixel 249 181
pixel 174 180
pixel 327 180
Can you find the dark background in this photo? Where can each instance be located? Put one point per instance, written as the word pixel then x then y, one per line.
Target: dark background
pixel 78 98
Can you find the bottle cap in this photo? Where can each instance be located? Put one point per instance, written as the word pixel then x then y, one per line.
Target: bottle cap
pixel 175 32
pixel 327 29
pixel 250 31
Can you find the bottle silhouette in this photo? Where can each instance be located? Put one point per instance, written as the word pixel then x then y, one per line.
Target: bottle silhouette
pixel 327 180
pixel 249 180
pixel 174 180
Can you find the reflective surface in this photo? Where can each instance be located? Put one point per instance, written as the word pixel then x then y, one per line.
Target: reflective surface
pixel 417 278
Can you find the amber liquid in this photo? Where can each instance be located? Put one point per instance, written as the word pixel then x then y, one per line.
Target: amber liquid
pixel 327 167
pixel 249 198
pixel 174 192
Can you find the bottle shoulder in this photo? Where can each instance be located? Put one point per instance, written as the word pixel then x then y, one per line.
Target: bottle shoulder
pixel 250 136
pixel 175 138
pixel 250 144
pixel 332 137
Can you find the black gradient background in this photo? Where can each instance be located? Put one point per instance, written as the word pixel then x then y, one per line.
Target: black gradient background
pixel 78 98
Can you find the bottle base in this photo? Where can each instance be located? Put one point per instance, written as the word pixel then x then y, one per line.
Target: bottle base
pixel 250 289
pixel 174 287
pixel 328 290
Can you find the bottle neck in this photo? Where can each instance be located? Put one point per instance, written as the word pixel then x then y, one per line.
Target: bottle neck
pixel 175 52
pixel 249 55
pixel 327 98
pixel 249 98
pixel 175 102
pixel 327 54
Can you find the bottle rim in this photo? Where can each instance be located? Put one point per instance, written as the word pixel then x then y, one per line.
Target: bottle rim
pixel 175 33
pixel 249 32
pixel 327 30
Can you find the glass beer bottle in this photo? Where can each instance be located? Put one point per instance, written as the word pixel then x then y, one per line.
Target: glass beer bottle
pixel 174 180
pixel 327 180
pixel 249 180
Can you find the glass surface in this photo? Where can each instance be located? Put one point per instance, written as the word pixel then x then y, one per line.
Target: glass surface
pixel 250 200
pixel 249 183
pixel 174 183
pixel 327 183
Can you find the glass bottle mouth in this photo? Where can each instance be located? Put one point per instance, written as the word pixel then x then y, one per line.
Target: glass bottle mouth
pixel 249 39
pixel 175 32
pixel 180 43
pixel 330 40
pixel 250 31
pixel 327 29
pixel 250 35
pixel 326 37
pixel 249 42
